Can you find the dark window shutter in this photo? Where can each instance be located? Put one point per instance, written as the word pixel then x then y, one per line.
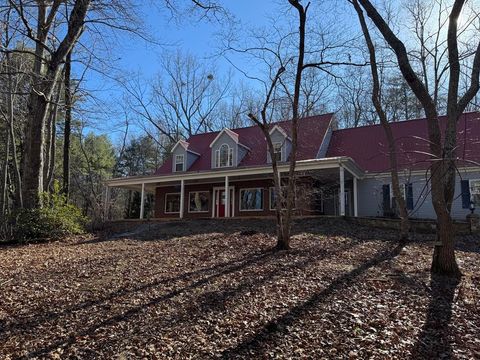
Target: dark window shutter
pixel 465 185
pixel 386 198
pixel 409 195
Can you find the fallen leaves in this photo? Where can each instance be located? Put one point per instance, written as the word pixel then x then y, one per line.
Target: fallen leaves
pixel 215 290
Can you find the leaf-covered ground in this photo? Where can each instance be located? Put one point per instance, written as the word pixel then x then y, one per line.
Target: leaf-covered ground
pixel 213 289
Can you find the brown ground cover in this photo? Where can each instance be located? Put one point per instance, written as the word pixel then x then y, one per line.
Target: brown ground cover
pixel 212 289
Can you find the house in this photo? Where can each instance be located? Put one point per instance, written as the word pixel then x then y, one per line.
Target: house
pixel 340 171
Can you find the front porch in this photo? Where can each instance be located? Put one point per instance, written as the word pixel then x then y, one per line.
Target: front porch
pixel 324 187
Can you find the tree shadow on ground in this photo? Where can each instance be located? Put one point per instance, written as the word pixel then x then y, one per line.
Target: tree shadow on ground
pixel 217 270
pixel 207 302
pixel 254 345
pixel 434 341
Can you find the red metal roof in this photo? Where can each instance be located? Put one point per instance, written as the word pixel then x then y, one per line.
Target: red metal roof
pixel 368 147
pixel 311 131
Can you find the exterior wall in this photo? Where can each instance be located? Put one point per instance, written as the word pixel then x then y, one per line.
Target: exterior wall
pixel 370 196
pixel 241 154
pixel 304 205
pixel 179 151
pixel 188 158
pixel 277 136
pixel 322 152
pixel 225 139
pixel 191 158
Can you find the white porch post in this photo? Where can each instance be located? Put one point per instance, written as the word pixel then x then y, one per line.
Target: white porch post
pixel 342 191
pixel 355 197
pixel 227 198
pixel 142 201
pixel 182 197
pixel 107 202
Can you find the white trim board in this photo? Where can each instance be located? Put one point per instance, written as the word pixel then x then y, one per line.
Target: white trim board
pixel 302 165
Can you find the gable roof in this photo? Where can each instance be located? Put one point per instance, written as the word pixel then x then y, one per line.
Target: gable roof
pixel 311 131
pixel 280 130
pixel 185 145
pixel 233 135
pixel 368 146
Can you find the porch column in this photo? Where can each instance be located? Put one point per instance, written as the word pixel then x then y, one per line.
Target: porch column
pixel 355 197
pixel 227 198
pixel 342 191
pixel 107 202
pixel 182 197
pixel 142 201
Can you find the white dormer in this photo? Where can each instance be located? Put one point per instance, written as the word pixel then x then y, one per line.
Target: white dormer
pixel 182 156
pixel 226 149
pixel 281 144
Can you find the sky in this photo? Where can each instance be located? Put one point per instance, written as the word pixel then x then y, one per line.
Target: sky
pixel 190 35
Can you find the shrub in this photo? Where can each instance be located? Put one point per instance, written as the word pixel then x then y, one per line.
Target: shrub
pixel 56 219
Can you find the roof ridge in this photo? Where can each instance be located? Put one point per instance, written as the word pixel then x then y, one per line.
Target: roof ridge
pixel 254 125
pixel 402 121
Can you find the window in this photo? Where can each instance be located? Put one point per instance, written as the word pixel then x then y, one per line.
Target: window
pixel 277 149
pixel 273 198
pixel 224 156
pixel 251 199
pixel 179 162
pixel 475 191
pixel 407 193
pixel 172 203
pixel 198 201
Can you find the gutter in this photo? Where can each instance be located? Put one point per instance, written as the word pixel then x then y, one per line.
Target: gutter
pixel 301 165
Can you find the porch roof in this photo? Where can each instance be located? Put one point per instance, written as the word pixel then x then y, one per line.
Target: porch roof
pixel 133 182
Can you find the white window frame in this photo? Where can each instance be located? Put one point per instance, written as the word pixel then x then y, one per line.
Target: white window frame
pixel 165 207
pixel 470 187
pixel 195 211
pixel 281 150
pixel 229 156
pixel 214 200
pixel 404 193
pixel 182 162
pixel 240 199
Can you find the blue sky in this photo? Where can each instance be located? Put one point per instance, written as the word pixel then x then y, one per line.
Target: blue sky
pixel 190 35
pixel 197 37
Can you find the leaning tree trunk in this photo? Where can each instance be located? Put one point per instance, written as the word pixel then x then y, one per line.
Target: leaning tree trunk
pixel 377 102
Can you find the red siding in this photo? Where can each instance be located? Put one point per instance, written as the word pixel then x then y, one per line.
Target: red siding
pixel 303 205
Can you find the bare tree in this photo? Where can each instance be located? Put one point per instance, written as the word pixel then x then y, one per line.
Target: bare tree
pixel 284 217
pixel 443 151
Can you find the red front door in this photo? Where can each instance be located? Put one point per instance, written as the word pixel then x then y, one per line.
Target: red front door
pixel 221 203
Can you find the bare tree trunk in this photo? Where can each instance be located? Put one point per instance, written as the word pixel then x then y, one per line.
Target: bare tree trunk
pixel 68 126
pixel 52 142
pixel 284 241
pixel 11 129
pixel 377 102
pixel 4 177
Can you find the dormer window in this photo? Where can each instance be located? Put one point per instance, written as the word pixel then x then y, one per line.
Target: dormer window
pixel 224 156
pixel 277 150
pixel 179 161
